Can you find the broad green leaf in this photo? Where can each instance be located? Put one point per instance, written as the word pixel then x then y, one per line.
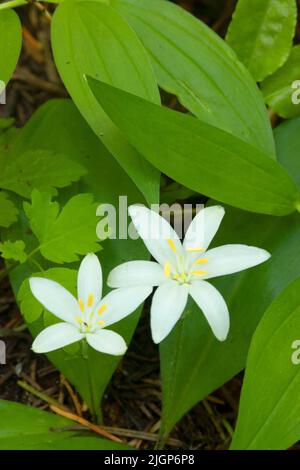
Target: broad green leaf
pixel 66 234
pixel 269 413
pixel 41 169
pixel 200 156
pixel 62 130
pixel 192 62
pixel 288 147
pixel 89 38
pixel 27 428
pixel 8 211
pixel 10 44
pixel 261 33
pixel 281 90
pixel 193 363
pixel 13 250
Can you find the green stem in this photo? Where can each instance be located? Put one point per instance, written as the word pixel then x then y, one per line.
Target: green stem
pixel 94 405
pixel 12 4
pixel 19 3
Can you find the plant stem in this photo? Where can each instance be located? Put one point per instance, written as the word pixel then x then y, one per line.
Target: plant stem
pixel 19 3
pixel 95 408
pixel 12 4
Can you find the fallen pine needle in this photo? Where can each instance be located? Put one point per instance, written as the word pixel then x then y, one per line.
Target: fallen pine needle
pixel 85 423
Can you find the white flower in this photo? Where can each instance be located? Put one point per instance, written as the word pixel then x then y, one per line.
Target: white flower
pixel 182 268
pixel 89 315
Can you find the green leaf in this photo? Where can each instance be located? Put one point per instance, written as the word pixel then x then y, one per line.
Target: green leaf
pixel 62 129
pixel 269 413
pixel 41 169
pixel 65 235
pixel 261 33
pixel 13 250
pixel 193 63
pixel 282 88
pixel 288 147
pixel 89 38
pixel 27 428
pixel 193 362
pixel 10 43
pixel 200 156
pixel 8 211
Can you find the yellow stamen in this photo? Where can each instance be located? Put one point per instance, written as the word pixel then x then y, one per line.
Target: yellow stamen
pixel 79 320
pixel 176 276
pixel 167 269
pixel 81 305
pixel 195 250
pixel 101 323
pixel 199 272
pixel 201 261
pixel 102 308
pixel 172 245
pixel 90 300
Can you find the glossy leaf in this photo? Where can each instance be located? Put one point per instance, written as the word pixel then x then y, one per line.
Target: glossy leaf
pixel 8 211
pixel 58 126
pixel 261 33
pixel 281 90
pixel 200 156
pixel 42 170
pixel 66 234
pixel 192 62
pixel 270 406
pixel 10 44
pixel 288 147
pixel 26 428
pixel 116 56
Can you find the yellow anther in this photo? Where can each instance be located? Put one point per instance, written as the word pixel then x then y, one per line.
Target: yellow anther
pixel 199 272
pixel 81 305
pixel 100 323
pixel 195 250
pixel 176 276
pixel 102 308
pixel 201 261
pixel 167 269
pixel 172 245
pixel 79 320
pixel 90 300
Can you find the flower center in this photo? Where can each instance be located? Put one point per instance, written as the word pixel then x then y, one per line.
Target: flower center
pixel 182 270
pixel 89 320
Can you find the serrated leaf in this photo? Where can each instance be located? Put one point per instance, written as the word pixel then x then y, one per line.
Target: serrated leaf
pixel 281 90
pixel 10 43
pixel 193 63
pixel 41 169
pixel 269 413
pixel 8 211
pixel 115 55
pixel 261 33
pixel 27 428
pixel 13 250
pixel 66 235
pixel 200 156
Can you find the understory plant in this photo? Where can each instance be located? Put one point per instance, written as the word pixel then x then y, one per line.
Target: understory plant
pixel 231 141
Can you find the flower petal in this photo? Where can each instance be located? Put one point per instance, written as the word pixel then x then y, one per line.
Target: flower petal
pixel 120 303
pixel 159 237
pixel 89 282
pixel 108 342
pixel 168 304
pixel 202 230
pixel 55 298
pixel 136 273
pixel 55 337
pixel 214 307
pixel 228 259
